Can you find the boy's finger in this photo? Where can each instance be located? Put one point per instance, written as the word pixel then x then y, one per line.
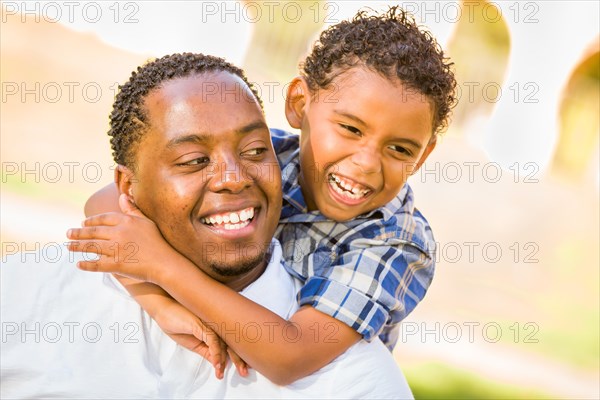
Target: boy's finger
pixel 108 219
pixel 218 352
pixel 88 246
pixel 128 206
pixel 91 266
pixel 224 358
pixel 105 263
pixel 90 232
pixel 240 364
pixel 218 348
pixel 192 343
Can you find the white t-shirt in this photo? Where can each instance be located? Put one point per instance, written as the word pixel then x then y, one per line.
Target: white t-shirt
pixel 73 334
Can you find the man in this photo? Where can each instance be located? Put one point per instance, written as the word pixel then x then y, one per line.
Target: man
pixel 69 333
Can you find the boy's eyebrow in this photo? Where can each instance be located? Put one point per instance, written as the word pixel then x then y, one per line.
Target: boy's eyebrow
pixel 350 116
pixel 201 138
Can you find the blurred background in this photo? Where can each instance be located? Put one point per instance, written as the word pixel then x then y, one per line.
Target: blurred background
pixel 511 191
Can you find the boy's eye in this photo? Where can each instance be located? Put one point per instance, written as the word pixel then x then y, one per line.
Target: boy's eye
pixel 400 150
pixel 351 129
pixel 194 162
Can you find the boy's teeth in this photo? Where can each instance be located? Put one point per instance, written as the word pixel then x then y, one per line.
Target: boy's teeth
pixel 232 220
pixel 346 193
pixel 347 189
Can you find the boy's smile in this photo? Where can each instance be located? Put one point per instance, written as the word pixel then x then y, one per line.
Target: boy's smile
pixel 346 190
pixel 361 138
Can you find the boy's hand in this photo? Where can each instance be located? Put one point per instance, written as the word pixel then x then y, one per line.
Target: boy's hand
pixel 190 332
pixel 128 244
pixel 131 245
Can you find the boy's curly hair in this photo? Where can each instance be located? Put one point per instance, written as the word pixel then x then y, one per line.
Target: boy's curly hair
pixel 394 46
pixel 129 119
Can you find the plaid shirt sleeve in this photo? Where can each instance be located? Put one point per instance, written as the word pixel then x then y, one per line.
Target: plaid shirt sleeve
pixel 372 284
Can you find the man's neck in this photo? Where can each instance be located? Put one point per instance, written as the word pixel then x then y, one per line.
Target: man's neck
pixel 239 283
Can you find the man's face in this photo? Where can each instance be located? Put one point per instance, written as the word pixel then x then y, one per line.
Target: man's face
pixel 360 141
pixel 207 174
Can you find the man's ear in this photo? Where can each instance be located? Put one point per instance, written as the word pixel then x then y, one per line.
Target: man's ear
pixel 124 179
pixel 428 149
pixel 296 101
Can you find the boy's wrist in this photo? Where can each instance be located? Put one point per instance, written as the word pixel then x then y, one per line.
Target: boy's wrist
pixel 165 269
pixel 158 305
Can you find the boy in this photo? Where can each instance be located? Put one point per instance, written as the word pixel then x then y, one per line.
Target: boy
pixel 370 99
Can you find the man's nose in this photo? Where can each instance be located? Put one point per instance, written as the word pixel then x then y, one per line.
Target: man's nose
pixel 229 176
pixel 367 160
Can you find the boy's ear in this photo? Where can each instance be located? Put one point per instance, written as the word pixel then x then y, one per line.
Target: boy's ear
pixel 428 149
pixel 296 101
pixel 124 179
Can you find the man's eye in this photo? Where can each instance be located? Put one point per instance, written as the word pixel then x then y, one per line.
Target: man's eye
pixel 195 161
pixel 254 152
pixel 351 129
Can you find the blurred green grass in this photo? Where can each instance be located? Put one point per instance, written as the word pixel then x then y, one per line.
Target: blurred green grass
pixel 573 339
pixel 432 380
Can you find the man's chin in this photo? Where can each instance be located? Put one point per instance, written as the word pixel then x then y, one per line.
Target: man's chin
pixel 237 266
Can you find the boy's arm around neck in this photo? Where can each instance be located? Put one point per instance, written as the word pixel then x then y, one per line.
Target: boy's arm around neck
pixel 284 351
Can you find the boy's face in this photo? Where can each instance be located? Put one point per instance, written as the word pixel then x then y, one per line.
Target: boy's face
pixel 360 140
pixel 207 174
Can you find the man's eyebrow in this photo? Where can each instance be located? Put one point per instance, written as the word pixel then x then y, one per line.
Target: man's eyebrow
pixel 202 138
pixel 192 138
pixel 251 127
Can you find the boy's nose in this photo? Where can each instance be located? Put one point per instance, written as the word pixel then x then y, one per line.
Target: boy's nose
pixel 367 160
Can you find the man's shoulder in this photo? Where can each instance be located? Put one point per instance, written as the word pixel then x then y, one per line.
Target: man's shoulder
pixel 52 261
pixel 375 369
pixel 365 370
pixel 54 280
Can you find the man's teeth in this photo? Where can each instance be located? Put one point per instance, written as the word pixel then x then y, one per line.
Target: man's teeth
pixel 346 188
pixel 232 220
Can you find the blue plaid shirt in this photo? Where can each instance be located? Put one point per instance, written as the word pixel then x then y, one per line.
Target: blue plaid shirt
pixel 369 272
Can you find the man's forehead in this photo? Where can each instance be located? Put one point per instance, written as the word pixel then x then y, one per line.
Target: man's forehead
pixel 209 87
pixel 210 102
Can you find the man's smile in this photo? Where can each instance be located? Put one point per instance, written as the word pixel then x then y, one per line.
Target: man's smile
pixel 230 220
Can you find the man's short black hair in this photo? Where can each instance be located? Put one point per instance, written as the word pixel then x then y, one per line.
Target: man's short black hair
pixel 129 119
pixel 392 45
